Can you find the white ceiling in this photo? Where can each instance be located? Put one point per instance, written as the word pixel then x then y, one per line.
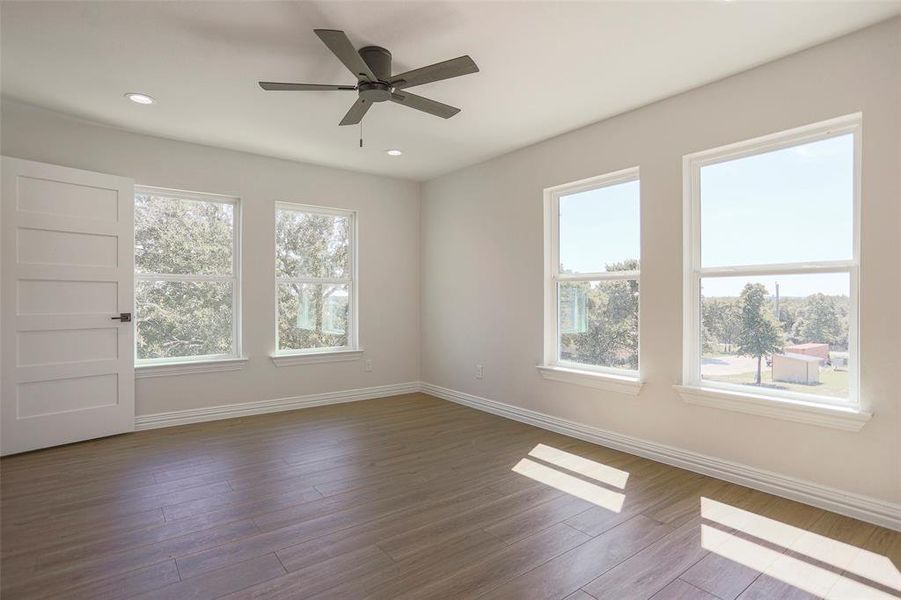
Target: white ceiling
pixel 546 67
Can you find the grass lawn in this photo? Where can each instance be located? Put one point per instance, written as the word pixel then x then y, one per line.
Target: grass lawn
pixel 832 382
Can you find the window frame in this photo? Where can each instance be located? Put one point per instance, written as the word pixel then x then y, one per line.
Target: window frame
pixel 352 348
pixel 227 359
pixel 694 272
pixel 622 380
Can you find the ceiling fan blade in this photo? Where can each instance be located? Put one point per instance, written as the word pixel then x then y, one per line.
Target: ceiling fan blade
pixel 356 112
pixel 454 67
pixel 274 86
pixel 341 47
pixel 438 109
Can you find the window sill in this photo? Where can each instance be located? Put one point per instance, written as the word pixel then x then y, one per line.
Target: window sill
pixel 311 358
pixel 622 384
pixel 835 417
pixel 190 367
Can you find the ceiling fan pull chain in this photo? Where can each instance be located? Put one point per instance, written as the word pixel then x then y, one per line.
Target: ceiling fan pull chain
pixel 361 133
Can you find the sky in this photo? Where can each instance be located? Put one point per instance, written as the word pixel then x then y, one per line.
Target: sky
pixel 786 206
pixel 600 227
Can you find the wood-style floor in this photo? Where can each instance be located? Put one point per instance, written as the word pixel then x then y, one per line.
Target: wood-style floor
pixel 409 497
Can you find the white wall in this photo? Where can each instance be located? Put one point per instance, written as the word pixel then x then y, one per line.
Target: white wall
pixel 388 248
pixel 482 263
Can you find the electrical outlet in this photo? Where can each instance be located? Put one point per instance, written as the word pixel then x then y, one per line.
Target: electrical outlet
pixel 367 365
pixel 480 371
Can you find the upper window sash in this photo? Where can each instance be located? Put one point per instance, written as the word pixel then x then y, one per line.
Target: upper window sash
pixel 693 163
pixel 552 197
pixel 351 215
pixel 234 201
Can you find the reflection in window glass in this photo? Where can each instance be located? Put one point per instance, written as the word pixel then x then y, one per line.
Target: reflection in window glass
pixel 599 323
pixel 312 315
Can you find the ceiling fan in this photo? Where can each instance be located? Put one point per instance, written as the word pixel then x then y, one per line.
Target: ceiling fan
pixel 372 68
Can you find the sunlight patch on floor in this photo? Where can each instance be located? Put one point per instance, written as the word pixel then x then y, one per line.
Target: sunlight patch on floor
pixel 789 568
pixel 583 466
pixel 571 485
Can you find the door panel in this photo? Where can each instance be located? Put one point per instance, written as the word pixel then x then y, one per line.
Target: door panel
pixel 68 268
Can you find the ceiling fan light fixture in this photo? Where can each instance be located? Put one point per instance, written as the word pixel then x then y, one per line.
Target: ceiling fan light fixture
pixel 393 152
pixel 139 98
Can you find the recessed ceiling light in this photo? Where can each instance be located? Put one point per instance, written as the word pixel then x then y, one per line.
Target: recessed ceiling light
pixel 139 98
pixel 393 152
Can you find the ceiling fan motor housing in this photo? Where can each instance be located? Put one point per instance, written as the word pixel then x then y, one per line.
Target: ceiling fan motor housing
pixel 379 60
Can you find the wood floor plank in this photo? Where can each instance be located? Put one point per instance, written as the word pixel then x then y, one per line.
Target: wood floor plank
pixel 652 569
pixel 433 563
pixel 680 590
pixel 515 559
pixel 407 497
pixel 565 574
pixel 413 541
pixel 320 577
pixel 88 568
pixel 216 584
pixel 129 584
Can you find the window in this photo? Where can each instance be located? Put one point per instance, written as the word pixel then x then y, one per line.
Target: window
pixel 187 276
pixel 315 279
pixel 593 246
pixel 772 265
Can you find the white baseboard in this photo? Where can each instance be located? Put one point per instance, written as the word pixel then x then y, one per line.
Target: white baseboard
pixel 230 411
pixel 872 510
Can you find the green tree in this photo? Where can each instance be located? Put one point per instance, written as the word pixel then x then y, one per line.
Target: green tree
pixel 720 318
pixel 820 321
pixel 611 336
pixel 760 333
pixel 788 314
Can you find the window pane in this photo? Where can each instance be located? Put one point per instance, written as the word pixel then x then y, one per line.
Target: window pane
pixel 600 229
pixel 786 206
pixel 311 245
pixel 175 236
pixel 312 315
pixel 183 318
pixel 794 327
pixel 599 323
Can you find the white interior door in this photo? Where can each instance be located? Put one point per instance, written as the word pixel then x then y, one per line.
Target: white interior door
pixel 68 270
